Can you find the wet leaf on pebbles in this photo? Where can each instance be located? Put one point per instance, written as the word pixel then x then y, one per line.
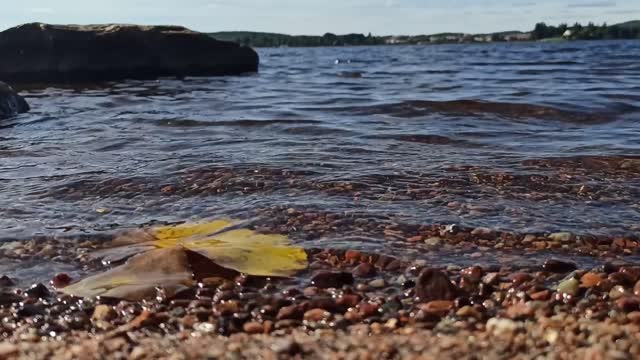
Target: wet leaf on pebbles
pixel 174 257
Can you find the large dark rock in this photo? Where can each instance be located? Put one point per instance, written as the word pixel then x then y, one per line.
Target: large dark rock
pixel 11 103
pixel 42 53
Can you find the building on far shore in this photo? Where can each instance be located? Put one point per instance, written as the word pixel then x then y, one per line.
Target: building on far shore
pixel 517 37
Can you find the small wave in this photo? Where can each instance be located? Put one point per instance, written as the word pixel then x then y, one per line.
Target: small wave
pixel 417 108
pixel 237 123
pixel 430 139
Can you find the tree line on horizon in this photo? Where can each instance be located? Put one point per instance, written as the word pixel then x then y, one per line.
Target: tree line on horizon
pixel 589 32
pixel 542 31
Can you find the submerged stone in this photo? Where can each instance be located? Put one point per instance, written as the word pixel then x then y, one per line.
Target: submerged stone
pixel 11 103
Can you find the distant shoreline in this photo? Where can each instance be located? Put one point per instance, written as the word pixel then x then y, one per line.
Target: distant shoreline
pixel 542 32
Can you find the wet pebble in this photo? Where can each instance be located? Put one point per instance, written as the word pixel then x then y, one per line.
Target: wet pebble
pixel 329 279
pixel 316 315
pixel 253 328
pixel 437 307
pixel 590 280
pixel 433 284
pixel 364 270
pixel 562 237
pixel 617 292
pixel 569 286
pixel 558 266
pixel 37 291
pixel 6 281
pixel 104 313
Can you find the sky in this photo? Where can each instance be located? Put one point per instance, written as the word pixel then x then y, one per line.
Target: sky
pixel 380 17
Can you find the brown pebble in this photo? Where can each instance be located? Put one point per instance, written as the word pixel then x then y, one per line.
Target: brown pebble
pixel 104 313
pixel 519 310
pixel 294 312
pixel 636 289
pixel 253 328
pixel 316 315
pixel 590 280
pixel 6 281
pixel 8 350
pixel 520 278
pixel 558 266
pixel 61 280
pixel 364 270
pixel 628 303
pixel 468 311
pixel 438 307
pixel 473 273
pixel 348 300
pixel 368 309
pixel 484 233
pixel 433 284
pixel 328 279
pixel 543 295
pixel 352 256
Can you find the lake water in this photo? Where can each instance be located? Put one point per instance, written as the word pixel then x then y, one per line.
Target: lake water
pixel 530 137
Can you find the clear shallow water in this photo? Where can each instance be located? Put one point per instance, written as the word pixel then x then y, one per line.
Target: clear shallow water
pixel 379 131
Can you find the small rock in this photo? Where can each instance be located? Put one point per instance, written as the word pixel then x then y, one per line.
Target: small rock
pixel 519 310
pixel 368 309
pixel 590 280
pixel 434 284
pixel 6 281
pixel 558 266
pixel 473 273
pixel 484 233
pixel 562 237
pixel 502 326
pixel 433 241
pixel 364 270
pixel 328 279
pixel 636 289
pixel 287 347
pixel 520 278
pixel 61 280
pixel 437 307
pixel 137 353
pixel 291 312
pixel 37 291
pixel 8 298
pixel 348 300
pixel 7 350
pixel 617 292
pixel 569 286
pixel 104 313
pixel 253 328
pixel 543 295
pixel 378 283
pixel 491 278
pixel 316 315
pixel 628 303
pixel 468 311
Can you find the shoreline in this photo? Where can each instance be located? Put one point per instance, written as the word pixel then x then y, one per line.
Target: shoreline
pixel 348 304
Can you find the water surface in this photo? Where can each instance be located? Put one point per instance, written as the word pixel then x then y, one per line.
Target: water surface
pixel 525 137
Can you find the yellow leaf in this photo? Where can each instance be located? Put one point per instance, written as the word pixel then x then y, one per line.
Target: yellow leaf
pixel 170 234
pixel 171 262
pixel 138 278
pixel 242 250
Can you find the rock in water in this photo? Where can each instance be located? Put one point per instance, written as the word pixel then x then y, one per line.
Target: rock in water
pixel 433 285
pixel 43 53
pixel 11 103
